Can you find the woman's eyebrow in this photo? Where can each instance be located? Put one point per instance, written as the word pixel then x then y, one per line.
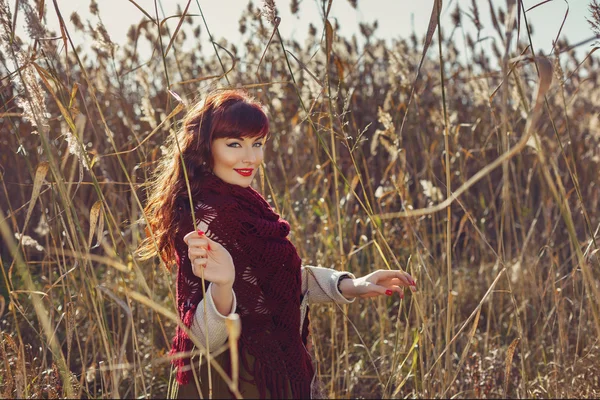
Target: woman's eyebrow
pixel 242 139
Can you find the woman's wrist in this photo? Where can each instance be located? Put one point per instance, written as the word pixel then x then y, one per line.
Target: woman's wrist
pixel 346 286
pixel 222 295
pixel 223 286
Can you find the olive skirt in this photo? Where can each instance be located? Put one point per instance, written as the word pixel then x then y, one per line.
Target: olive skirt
pixel 220 390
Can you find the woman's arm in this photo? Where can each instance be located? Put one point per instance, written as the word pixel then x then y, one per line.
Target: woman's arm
pixel 212 262
pixel 323 284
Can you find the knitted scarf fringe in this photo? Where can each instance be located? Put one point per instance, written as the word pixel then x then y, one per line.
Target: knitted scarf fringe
pixel 183 344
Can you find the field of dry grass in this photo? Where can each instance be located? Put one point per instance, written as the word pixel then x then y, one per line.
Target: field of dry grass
pixel 480 178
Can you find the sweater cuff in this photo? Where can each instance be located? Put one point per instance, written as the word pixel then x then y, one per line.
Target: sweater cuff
pixel 335 278
pixel 320 285
pixel 210 303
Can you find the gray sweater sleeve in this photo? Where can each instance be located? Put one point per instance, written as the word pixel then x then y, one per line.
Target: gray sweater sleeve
pixel 215 321
pixel 321 285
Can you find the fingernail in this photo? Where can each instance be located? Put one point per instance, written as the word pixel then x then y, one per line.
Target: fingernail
pixel 401 296
pixel 388 292
pixel 208 246
pixel 200 232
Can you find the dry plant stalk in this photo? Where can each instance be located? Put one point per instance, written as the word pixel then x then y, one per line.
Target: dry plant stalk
pixel 234 330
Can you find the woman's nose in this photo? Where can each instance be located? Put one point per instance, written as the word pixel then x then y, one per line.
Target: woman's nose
pixel 250 156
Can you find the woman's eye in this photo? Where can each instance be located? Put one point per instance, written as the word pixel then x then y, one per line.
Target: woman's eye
pixel 235 144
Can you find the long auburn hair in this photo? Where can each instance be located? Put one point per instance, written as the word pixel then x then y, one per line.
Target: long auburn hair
pixel 224 113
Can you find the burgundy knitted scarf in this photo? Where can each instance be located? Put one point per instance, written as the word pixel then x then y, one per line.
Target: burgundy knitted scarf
pixel 267 285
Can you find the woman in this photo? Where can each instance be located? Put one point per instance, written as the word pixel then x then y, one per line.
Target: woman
pixel 240 246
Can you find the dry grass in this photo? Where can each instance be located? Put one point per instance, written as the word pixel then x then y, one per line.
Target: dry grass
pixel 371 170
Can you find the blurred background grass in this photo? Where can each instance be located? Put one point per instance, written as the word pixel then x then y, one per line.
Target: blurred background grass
pixel 507 274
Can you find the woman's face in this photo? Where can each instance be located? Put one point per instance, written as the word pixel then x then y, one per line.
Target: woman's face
pixel 236 160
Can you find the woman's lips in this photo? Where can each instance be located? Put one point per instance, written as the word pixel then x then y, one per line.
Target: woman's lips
pixel 244 172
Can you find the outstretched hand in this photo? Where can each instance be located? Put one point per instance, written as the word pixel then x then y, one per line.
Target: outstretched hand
pixel 377 283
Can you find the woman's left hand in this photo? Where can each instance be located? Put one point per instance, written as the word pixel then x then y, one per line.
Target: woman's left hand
pixel 380 282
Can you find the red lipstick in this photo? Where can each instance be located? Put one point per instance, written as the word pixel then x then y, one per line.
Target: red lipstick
pixel 245 172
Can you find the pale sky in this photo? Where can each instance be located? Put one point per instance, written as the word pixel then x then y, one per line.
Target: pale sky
pixel 395 17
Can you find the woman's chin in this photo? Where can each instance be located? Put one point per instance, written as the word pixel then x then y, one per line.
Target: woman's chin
pixel 243 182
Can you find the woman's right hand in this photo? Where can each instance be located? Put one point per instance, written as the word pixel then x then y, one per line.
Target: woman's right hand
pixel 210 259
